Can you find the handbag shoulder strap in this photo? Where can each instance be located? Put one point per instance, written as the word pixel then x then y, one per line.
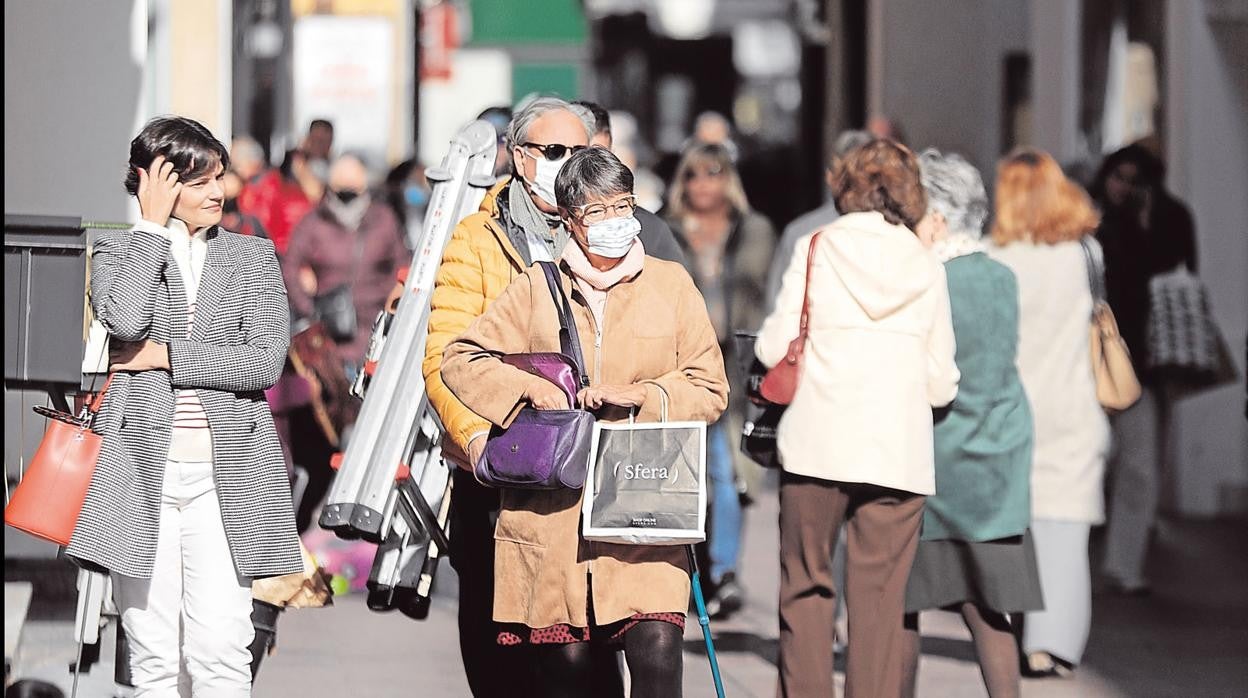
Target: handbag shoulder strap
pixel 803 326
pixel 569 339
pixel 93 405
pixel 1095 263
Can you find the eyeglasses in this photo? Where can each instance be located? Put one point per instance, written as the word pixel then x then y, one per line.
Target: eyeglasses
pixel 553 151
pixel 713 173
pixel 597 213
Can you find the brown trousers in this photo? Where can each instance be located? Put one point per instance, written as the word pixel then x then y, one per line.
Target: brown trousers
pixel 882 539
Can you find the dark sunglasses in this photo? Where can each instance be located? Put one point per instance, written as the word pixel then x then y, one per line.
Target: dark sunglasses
pixel 553 151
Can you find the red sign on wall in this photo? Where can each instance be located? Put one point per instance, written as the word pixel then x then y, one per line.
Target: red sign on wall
pixel 439 37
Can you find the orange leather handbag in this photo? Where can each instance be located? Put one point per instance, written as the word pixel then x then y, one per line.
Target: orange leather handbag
pixel 47 501
pixel 780 383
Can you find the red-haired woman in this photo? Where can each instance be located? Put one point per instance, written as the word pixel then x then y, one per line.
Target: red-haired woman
pixel 1041 219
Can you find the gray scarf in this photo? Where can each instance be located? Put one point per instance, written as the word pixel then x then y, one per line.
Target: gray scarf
pixel 535 224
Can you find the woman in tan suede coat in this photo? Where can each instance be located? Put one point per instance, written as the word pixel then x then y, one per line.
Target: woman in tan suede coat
pixel 644 331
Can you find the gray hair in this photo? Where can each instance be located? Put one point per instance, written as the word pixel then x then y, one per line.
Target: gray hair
pixel 518 131
pixel 246 149
pixel 591 174
pixel 848 140
pixel 955 190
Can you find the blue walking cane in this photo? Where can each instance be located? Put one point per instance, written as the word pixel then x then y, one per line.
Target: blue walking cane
pixel 705 621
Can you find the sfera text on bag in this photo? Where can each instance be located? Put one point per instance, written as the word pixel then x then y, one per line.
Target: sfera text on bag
pixel 640 471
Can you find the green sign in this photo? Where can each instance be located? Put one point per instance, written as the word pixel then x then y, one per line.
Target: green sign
pixel 527 22
pixel 562 79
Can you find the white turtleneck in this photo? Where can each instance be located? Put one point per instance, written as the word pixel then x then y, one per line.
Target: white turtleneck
pixel 191 440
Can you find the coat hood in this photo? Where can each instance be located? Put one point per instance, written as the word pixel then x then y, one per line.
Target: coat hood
pixel 883 266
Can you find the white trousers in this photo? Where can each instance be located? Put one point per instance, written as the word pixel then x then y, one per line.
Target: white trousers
pixel 1141 436
pixel 1061 629
pixel 193 617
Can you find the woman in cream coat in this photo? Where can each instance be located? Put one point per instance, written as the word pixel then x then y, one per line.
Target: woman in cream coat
pixel 1040 219
pixel 856 442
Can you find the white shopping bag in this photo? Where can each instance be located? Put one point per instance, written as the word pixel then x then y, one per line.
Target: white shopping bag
pixel 646 483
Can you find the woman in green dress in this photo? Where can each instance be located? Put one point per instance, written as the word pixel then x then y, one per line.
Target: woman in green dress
pixel 975 555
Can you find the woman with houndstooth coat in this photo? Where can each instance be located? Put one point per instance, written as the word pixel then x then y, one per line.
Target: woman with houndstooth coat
pixel 189 500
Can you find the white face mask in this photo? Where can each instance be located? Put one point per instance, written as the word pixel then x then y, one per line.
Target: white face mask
pixel 613 237
pixel 543 183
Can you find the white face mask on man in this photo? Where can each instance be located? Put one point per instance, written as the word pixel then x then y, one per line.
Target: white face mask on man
pixel 543 182
pixel 613 237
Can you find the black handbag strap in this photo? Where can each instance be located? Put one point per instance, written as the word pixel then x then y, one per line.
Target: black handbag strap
pixel 569 339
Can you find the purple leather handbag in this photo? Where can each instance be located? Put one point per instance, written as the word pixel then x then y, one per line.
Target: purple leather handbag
pixel 544 449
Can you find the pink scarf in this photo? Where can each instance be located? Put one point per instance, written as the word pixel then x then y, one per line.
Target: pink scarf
pixel 594 283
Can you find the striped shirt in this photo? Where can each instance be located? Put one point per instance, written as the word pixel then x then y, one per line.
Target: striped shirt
pixel 191 440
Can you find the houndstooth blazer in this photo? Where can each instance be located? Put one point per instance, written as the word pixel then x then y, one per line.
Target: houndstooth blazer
pixel 236 350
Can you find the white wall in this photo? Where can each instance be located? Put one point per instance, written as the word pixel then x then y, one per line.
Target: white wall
pixel 72 91
pixel 1056 78
pixel 937 69
pixel 1208 156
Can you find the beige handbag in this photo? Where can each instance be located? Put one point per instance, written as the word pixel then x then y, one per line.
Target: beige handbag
pixel 1117 386
pixel 308 588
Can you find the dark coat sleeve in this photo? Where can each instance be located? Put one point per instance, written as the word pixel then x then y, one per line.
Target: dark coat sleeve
pixel 658 238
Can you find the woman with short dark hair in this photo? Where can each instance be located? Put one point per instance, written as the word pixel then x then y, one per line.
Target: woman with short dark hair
pixel 189 500
pixel 856 441
pixel 652 340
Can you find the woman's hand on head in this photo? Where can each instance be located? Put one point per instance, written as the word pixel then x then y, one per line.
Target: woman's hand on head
pixel 145 355
pixel 619 395
pixel 158 191
pixel 545 395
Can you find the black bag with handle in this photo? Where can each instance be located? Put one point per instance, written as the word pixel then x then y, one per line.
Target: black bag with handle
pixel 762 418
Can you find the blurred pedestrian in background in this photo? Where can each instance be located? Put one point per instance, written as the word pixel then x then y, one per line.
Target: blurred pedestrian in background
pixel 810 221
pixel 280 198
pixel 881 126
pixel 728 247
pixel 1041 219
pixel 339 268
pixel 655 233
pixel 318 146
pixel 645 350
pixel 248 160
pixel 856 441
pixel 713 128
pixel 189 500
pixel 233 218
pixel 351 247
pixel 407 192
pixel 500 119
pixel 632 150
pixel 1145 232
pixel 975 556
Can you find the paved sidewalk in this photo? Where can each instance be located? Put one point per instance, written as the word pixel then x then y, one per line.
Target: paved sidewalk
pixel 1189 639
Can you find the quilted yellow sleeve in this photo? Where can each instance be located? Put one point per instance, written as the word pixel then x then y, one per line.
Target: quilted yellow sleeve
pixel 459 297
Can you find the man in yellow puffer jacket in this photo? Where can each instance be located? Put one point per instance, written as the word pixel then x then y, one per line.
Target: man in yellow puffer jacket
pixel 517 224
